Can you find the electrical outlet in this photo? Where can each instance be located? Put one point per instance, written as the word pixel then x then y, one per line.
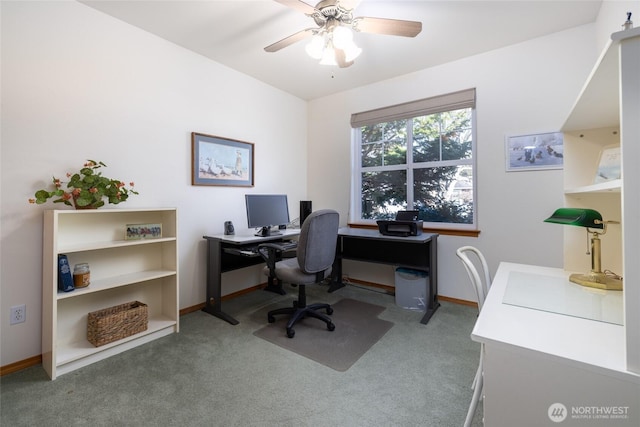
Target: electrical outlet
pixel 18 314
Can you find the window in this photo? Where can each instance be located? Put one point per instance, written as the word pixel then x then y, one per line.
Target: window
pixel 419 155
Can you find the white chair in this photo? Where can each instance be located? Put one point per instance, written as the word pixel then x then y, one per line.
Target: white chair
pixel 481 283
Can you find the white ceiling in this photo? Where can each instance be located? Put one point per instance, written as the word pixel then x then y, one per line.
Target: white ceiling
pixel 235 32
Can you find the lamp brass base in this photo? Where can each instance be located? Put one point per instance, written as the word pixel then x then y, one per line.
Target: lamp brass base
pixel 597 280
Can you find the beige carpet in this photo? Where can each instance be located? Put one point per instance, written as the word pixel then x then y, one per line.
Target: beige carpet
pixel 357 330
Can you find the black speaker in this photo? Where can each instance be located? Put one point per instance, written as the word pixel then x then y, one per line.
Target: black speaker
pixel 228 228
pixel 305 210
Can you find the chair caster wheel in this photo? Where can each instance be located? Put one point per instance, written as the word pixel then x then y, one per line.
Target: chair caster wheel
pixel 331 326
pixel 290 332
pixel 329 311
pixel 271 319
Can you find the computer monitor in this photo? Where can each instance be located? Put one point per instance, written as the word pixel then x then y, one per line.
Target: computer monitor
pixel 265 211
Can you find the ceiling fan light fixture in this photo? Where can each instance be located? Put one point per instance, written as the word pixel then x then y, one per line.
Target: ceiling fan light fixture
pixel 328 56
pixel 342 37
pixel 315 47
pixel 351 52
pixel 323 46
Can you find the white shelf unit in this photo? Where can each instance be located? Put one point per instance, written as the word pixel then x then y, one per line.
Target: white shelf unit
pixel 121 271
pixel 606 113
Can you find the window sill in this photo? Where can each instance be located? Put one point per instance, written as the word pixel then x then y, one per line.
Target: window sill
pixel 441 231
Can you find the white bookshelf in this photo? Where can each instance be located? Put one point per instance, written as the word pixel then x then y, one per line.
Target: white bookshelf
pixel 605 114
pixel 121 271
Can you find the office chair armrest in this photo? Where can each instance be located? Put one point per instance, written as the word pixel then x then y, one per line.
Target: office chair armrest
pixel 268 250
pixel 270 253
pixel 275 246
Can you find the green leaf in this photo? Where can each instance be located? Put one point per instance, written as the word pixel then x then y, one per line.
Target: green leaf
pixel 83 201
pixel 42 194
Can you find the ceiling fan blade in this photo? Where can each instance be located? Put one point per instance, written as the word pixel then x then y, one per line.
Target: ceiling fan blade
pixel 392 27
pixel 298 5
pixel 293 38
pixel 341 59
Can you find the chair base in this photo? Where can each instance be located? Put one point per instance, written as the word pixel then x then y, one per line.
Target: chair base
pixel 300 310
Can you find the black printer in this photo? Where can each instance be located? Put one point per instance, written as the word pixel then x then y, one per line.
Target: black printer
pixel 405 224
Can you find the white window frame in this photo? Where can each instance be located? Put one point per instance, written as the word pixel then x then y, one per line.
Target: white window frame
pixel 357 169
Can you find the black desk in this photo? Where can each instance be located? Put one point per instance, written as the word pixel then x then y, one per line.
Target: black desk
pixel 224 253
pixel 418 252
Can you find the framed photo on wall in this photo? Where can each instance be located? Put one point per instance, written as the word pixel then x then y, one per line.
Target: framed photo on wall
pixel 535 151
pixel 221 161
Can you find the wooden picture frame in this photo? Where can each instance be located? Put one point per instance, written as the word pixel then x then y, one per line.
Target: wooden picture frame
pixel 221 161
pixel 535 151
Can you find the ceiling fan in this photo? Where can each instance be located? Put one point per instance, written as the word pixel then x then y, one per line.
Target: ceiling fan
pixel 332 41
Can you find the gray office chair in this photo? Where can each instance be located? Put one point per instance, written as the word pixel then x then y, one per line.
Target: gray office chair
pixel 315 255
pixel 480 284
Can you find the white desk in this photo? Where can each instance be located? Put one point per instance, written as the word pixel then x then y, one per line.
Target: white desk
pixel 541 348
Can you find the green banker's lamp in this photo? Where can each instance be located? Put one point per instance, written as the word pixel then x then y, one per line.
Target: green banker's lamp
pixel 592 220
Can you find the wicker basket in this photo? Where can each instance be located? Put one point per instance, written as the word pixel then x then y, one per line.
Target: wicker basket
pixel 114 323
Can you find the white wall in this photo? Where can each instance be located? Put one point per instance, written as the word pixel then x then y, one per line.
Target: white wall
pixel 77 84
pixel 525 88
pixel 611 17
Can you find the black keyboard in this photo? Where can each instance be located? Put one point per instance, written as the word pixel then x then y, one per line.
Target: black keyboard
pixel 288 245
pixel 245 251
pixel 253 250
